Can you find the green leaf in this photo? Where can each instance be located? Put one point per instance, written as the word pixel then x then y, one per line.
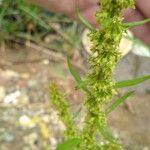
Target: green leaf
pixel 76 114
pixel 119 102
pixel 83 20
pixel 138 23
pixel 34 16
pixel 132 82
pixel 69 144
pixel 75 74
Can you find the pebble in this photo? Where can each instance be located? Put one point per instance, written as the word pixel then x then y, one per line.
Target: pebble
pixel 26 121
pixel 46 118
pixel 5 135
pixel 32 83
pixel 146 148
pixel 53 141
pixel 45 62
pixel 11 98
pixel 2 93
pixel 9 74
pixel 25 75
pixel 31 138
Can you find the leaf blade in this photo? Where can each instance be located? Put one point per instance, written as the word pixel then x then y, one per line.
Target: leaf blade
pixel 137 23
pixel 67 145
pixel 131 82
pixel 77 113
pixel 34 16
pixel 83 20
pixel 75 74
pixel 119 101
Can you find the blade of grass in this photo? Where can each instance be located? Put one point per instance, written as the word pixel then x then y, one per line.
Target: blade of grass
pixel 69 144
pixel 132 82
pixel 83 20
pixel 138 23
pixel 76 114
pixel 119 102
pixel 34 16
pixel 75 74
pixel 38 20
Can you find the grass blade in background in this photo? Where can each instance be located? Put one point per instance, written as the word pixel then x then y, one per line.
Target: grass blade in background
pixel 34 17
pixel 43 24
pixel 119 102
pixel 75 74
pixel 77 113
pixel 83 20
pixel 69 144
pixel 131 82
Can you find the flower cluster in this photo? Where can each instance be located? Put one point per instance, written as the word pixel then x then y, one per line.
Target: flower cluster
pixel 105 55
pixel 62 106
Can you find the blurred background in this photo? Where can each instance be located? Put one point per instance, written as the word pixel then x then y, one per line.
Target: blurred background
pixel 33 48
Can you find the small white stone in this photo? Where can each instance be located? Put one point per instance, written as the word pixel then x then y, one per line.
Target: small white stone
pixel 26 121
pixel 2 93
pixel 53 141
pixel 8 74
pixel 146 148
pixel 46 118
pixel 31 138
pixel 11 98
pixel 25 75
pixel 45 62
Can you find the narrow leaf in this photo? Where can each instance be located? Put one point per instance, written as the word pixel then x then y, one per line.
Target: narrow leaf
pixel 69 144
pixel 76 114
pixel 75 74
pixel 132 82
pixel 34 16
pixel 83 20
pixel 138 23
pixel 119 102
